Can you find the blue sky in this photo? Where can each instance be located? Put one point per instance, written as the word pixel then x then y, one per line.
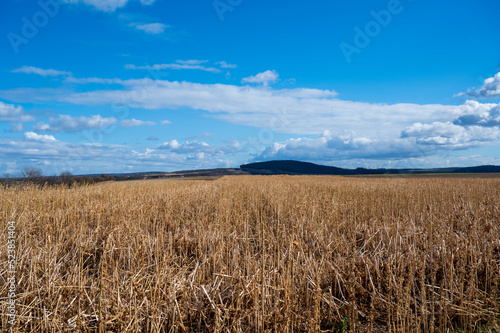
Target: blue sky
pixel 96 86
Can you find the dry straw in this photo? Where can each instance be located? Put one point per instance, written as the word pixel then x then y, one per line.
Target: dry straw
pixel 250 253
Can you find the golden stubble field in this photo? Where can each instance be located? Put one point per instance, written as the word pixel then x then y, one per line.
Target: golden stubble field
pixel 255 254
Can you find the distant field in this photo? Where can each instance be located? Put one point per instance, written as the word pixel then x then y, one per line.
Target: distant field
pixel 173 179
pixel 257 253
pixel 434 175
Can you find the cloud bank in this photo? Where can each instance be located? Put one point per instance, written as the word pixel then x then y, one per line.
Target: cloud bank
pixel 320 126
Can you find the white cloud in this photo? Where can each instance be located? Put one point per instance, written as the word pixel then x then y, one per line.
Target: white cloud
pixel 304 111
pixel 179 65
pixel 195 147
pixel 75 157
pixel 331 148
pixel 223 64
pixel 265 78
pixel 66 123
pixel 88 80
pixel 166 122
pixel 12 113
pixel 103 5
pixel 170 145
pixel 188 147
pixel 357 130
pixel 416 141
pixel 191 62
pixel 37 150
pixel 41 150
pixel 19 127
pixel 489 89
pixel 480 114
pixel 306 93
pixel 298 111
pixel 127 123
pixel 37 137
pixel 476 124
pixel 40 71
pixel 449 134
pixel 151 28
pixel 446 130
pixel 233 143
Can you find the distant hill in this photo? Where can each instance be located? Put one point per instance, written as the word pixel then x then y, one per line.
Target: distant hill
pixel 285 167
pixel 290 167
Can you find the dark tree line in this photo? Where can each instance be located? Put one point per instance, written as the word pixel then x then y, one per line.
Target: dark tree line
pixel 35 176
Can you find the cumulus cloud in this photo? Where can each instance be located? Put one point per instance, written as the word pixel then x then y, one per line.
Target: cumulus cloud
pixel 38 137
pixel 55 156
pixel 40 71
pixel 265 78
pixel 170 145
pixel 449 134
pixel 151 28
pixel 489 89
pixel 166 122
pixel 188 147
pixel 419 140
pixel 12 113
pixel 64 156
pixel 66 123
pixel 475 124
pixel 328 147
pixel 480 114
pixel 127 123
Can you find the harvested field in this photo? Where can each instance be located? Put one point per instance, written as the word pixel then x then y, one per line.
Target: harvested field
pixel 257 253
